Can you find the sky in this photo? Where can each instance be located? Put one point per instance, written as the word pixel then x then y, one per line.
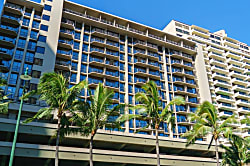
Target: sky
pixel 231 15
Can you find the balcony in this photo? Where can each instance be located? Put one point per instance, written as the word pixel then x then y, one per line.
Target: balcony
pixel 97 51
pixel 199 32
pixel 237 74
pixel 66 33
pixel 243 111
pixel 216 55
pixel 243 102
pixel 11 19
pixel 64 54
pixel 223 98
pixel 153 55
pixel 225 114
pixel 234 61
pixel 246 65
pixel 152 47
pixel 114 65
pixel 214 49
pixel 140 44
pixel 230 54
pixel 240 88
pixel 223 91
pixel 219 69
pixel 7 42
pixel 97 41
pixel 12 8
pixel 218 63
pixel 220 76
pixel 4 67
pixel 65 43
pixel 8 30
pixel 96 61
pixel 104 33
pixel 239 81
pixel 112 45
pixel 6 54
pixel 236 68
pixel 153 65
pixel 246 134
pixel 227 107
pixel 247 71
pixel 112 54
pixel 68 23
pixel 242 95
pixel 62 65
pixel 112 75
pixel 231 43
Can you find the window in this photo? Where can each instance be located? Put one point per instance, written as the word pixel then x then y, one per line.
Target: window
pixel 35 24
pixel 47 7
pixel 33 35
pixel 26 22
pixel 46 17
pixel 44 27
pixel 24 32
pixel 36 74
pixel 84 57
pixel 42 38
pixel 19 55
pixel 11 92
pixel 29 57
pixel 38 61
pixel 76 45
pixel 74 66
pixel 73 78
pixel 50 0
pixel 31 45
pixel 40 50
pixel 16 66
pixel 27 66
pixel 77 35
pixel 21 43
pixel 13 79
pixel 83 68
pixel 75 56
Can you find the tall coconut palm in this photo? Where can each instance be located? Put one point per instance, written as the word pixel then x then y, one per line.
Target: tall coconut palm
pixel 207 121
pixel 95 114
pixel 153 111
pixel 54 89
pixel 237 154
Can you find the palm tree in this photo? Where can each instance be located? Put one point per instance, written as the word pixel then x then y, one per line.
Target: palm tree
pixel 53 88
pixel 237 154
pixel 95 114
pixel 150 104
pixel 207 122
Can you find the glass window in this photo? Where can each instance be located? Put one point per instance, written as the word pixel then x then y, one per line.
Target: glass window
pixel 40 50
pixel 73 78
pixel 21 43
pixel 24 32
pixel 32 45
pixel 16 66
pixel 35 24
pixel 122 76
pixel 38 61
pixel 26 22
pixel 19 55
pixel 46 17
pixel 29 57
pixel 42 38
pixel 27 66
pixel 44 27
pixel 33 34
pixel 77 35
pixel 75 56
pixel 13 79
pixel 36 74
pixel 74 66
pixel 83 68
pixel 47 7
pixel 84 57
pixel 76 45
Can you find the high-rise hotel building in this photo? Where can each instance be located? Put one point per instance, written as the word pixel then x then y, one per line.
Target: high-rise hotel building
pixel 84 43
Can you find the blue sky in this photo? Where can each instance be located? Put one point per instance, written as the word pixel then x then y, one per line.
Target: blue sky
pixel 231 15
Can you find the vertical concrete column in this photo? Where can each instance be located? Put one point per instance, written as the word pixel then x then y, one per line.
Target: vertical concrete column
pixel 126 82
pixel 80 55
pixel 202 78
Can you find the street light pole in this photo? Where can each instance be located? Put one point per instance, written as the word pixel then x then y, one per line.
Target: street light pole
pixel 24 77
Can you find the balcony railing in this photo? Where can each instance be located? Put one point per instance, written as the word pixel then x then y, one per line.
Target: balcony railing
pixel 11 17
pixel 96 49
pixel 63 63
pixel 9 28
pixel 14 6
pixel 6 51
pixel 64 52
pixel 8 39
pixel 70 42
pixel 94 59
pixel 64 20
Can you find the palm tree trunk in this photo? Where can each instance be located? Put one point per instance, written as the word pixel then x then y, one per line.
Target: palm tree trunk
pixel 217 152
pixel 57 141
pixel 157 147
pixel 91 150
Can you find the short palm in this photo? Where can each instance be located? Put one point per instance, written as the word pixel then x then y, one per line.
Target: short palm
pixel 207 121
pixel 54 89
pixel 237 154
pixel 94 114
